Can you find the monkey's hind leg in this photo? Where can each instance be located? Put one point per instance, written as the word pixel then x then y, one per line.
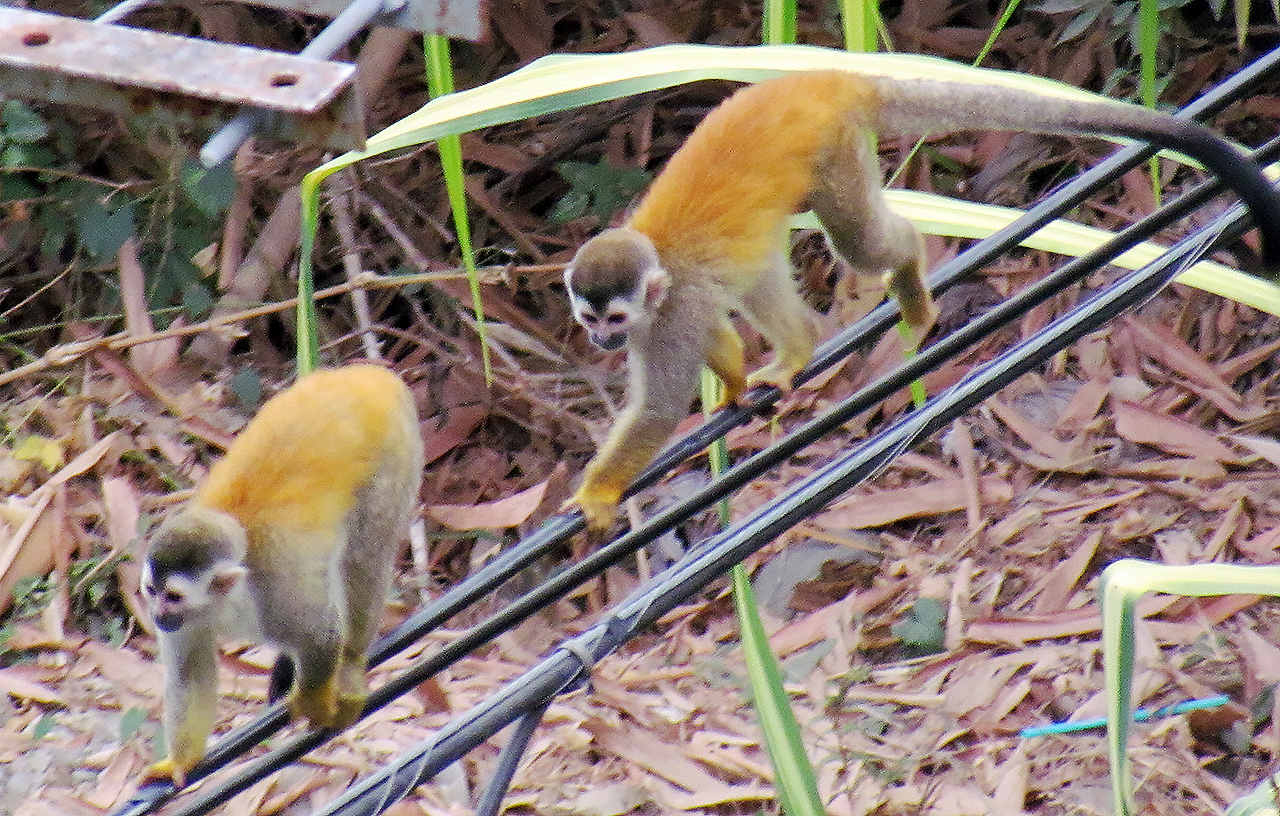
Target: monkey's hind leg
pixel 367 581
pixel 775 307
pixel 725 358
pixel 850 203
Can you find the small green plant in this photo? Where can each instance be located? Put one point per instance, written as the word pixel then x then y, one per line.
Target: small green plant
pixel 94 597
pixel 597 189
pixel 78 220
pixel 923 630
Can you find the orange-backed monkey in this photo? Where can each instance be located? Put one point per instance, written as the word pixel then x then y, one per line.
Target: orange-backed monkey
pixel 710 236
pixel 292 539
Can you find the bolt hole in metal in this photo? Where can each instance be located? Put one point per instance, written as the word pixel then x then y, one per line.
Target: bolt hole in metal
pixel 284 80
pixel 36 38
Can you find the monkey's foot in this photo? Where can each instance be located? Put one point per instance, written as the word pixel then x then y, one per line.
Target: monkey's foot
pixel 166 770
pixel 353 691
pixel 775 374
pixel 318 706
pixel 598 503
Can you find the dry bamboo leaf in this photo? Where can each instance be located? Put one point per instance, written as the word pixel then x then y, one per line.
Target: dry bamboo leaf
pixel 1039 438
pixel 959 799
pixel 1021 629
pixel 1057 587
pixel 610 800
pixel 883 507
pixel 449 430
pixel 1140 424
pixel 1013 781
pixel 125 668
pixel 116 780
pixel 654 755
pixel 1268 449
pixel 1162 344
pixel 1174 469
pixel 1084 405
pixel 16 681
pixel 716 793
pixel 39 501
pixel 61 802
pixel 146 358
pixel 976 682
pixel 1262 657
pixel 506 512
pixel 1007 699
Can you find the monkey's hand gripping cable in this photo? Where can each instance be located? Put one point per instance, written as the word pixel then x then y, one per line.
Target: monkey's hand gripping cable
pixel 524 699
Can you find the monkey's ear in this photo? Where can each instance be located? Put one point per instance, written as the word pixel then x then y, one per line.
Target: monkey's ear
pixel 656 284
pixel 224 576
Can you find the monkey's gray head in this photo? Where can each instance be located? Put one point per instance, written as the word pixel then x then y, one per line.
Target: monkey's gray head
pixel 615 283
pixel 193 561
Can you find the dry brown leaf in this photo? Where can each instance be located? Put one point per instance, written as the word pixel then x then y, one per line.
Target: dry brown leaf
pixel 1023 629
pixel 17 682
pixel 659 757
pixel 506 512
pixel 1057 587
pixel 1140 424
pixel 146 358
pixel 1268 449
pixel 1162 344
pixel 1261 655
pixel 117 779
pixel 883 507
pixel 1038 437
pixel 446 431
pixel 38 501
pixel 125 668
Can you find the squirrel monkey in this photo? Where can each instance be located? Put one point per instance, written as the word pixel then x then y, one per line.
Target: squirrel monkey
pixel 710 235
pixel 292 539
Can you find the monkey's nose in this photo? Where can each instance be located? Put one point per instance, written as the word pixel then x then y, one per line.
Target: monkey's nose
pixel 609 342
pixel 169 621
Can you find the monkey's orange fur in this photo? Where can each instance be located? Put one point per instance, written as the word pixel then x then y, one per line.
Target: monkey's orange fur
pixel 298 464
pixel 728 191
pixel 293 536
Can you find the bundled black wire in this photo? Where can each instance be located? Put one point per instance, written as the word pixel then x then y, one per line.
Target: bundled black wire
pixel 524 699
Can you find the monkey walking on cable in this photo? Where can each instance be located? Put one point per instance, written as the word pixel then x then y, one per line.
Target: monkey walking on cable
pixel 292 539
pixel 710 235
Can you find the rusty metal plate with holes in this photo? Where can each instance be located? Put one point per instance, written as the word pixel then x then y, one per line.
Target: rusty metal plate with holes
pixel 48 44
pixel 463 19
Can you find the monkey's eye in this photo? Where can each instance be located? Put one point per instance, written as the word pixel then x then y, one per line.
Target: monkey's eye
pixel 616 319
pixel 589 318
pixel 173 597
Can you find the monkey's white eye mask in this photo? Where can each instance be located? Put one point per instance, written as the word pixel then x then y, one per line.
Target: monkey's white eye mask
pixel 610 331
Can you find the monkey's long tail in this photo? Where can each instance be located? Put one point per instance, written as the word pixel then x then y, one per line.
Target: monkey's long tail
pixel 930 107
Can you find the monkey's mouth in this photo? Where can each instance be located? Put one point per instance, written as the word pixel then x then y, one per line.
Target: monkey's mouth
pixel 609 342
pixel 169 622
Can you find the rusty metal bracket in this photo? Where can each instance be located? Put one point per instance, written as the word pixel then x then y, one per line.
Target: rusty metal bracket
pixel 233 89
pixel 132 71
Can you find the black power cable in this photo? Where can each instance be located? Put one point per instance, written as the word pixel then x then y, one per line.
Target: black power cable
pixel 570 663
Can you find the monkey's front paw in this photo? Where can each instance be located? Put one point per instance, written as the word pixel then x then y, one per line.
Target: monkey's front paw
pixel 599 505
pixel 775 374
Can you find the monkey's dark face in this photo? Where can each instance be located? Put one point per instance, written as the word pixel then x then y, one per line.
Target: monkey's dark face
pixel 189 568
pixel 616 284
pixel 170 597
pixel 609 326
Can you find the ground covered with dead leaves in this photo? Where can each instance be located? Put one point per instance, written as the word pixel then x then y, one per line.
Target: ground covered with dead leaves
pixel 923 620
